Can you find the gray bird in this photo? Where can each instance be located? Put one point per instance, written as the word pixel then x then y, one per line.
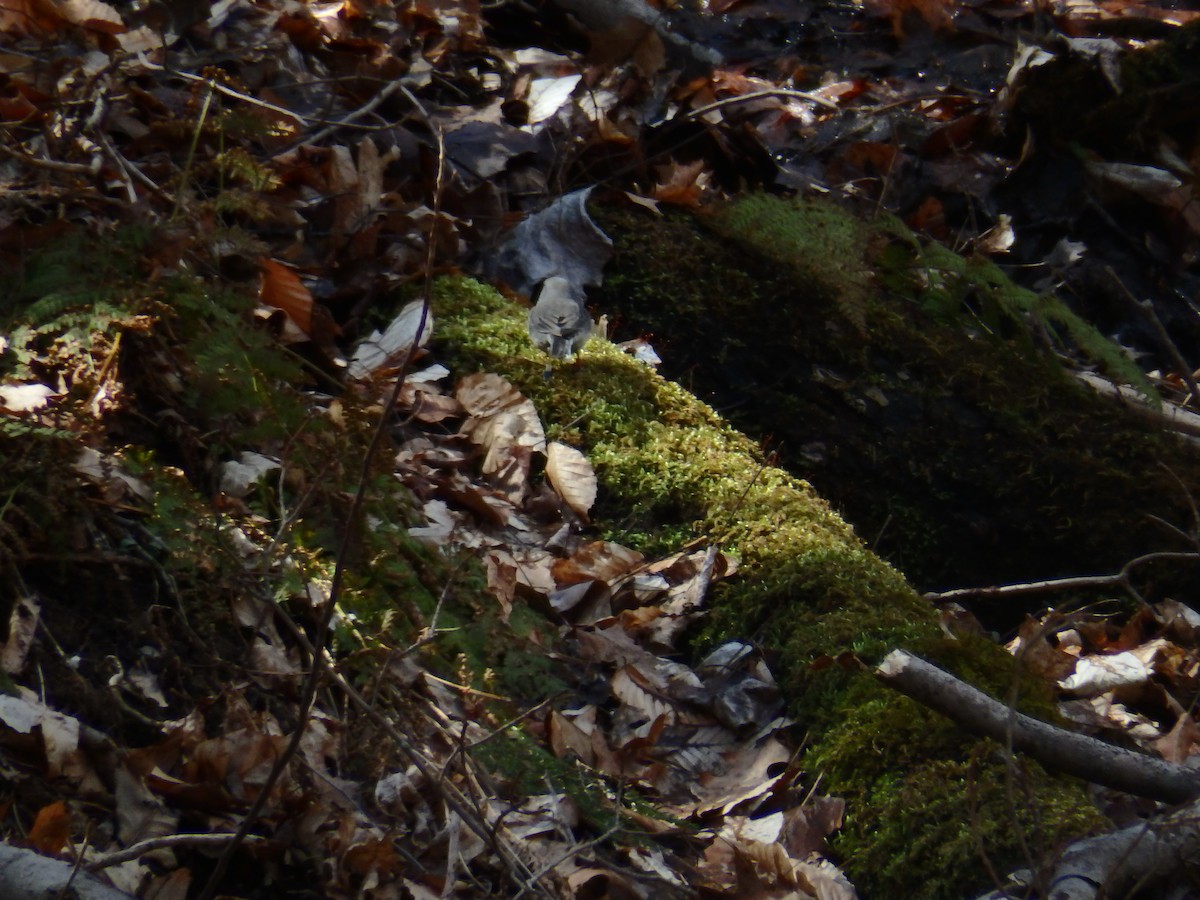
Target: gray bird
pixel 559 322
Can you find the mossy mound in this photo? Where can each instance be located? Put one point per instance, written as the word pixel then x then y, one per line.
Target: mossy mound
pixel 670 468
pixel 927 414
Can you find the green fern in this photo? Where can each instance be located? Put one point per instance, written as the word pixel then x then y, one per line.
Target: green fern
pixel 76 270
pixel 21 428
pixel 81 294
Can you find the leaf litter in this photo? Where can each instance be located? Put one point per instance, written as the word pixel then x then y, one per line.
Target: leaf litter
pixel 294 141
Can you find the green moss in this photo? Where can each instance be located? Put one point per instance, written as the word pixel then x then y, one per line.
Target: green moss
pixel 963 453
pixel 820 240
pixel 808 587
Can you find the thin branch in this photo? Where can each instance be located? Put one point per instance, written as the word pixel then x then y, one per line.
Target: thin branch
pixel 1146 308
pixel 700 111
pixel 1075 754
pixel 169 841
pixel 90 169
pixel 1079 582
pixel 366 108
pixel 131 170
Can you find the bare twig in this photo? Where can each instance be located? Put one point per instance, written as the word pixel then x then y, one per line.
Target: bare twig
pixel 1119 579
pixel 168 841
pixel 132 172
pixel 368 107
pixel 186 175
pixel 1146 308
pixel 90 169
pixel 700 111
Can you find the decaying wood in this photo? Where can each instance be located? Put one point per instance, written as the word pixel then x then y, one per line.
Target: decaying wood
pixel 27 875
pixel 1171 417
pixel 1148 857
pixel 1065 751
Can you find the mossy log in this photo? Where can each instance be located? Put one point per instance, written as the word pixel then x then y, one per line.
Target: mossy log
pixel 924 799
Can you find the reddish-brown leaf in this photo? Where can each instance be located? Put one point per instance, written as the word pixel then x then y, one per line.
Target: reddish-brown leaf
pixel 282 288
pixel 51 829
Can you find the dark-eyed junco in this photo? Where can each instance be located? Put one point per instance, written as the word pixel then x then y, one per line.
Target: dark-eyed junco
pixel 559 322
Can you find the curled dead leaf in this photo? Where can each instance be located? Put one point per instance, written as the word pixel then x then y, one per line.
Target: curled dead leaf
pixel 282 288
pixel 572 477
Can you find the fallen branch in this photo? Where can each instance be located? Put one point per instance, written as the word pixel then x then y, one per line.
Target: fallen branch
pixel 1171 417
pixel 1135 860
pixel 1065 751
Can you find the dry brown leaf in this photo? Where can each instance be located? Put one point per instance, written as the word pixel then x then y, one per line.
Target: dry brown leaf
pixel 486 395
pixel 745 778
pixel 429 405
pixel 682 184
pixel 170 887
pixel 503 436
pixel 501 580
pixel 572 477
pixel 282 288
pixel 937 14
pixel 356 188
pixel 31 17
pixel 1179 743
pixel 597 561
pixel 51 829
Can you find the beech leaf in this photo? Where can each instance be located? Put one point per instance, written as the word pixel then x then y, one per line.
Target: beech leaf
pixel 572 477
pixel 282 288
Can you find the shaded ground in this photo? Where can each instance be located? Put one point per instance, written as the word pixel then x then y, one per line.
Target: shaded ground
pixel 206 208
pixel 964 460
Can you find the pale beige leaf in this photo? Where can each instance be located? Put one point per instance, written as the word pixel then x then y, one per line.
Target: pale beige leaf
pixel 22 626
pixel 60 733
pixel 21 398
pixel 93 15
pixel 140 814
pixel 632 688
pixel 141 40
pixel 572 477
pixel 108 474
pixel 485 396
pixel 379 350
pixel 239 477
